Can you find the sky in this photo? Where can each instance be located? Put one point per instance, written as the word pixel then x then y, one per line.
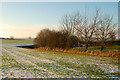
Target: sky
pixel 24 19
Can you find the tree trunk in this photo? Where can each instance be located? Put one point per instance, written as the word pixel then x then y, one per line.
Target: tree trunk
pixel 101 48
pixel 86 47
pixel 68 42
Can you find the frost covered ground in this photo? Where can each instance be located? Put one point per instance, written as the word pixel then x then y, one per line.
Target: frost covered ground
pixel 29 63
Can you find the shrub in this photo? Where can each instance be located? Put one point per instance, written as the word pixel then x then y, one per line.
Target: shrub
pixel 54 39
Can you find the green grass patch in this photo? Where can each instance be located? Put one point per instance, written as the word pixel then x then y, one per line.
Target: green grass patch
pixel 97 48
pixel 17 41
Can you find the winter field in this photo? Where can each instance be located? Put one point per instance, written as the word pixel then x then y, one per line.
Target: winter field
pixel 30 63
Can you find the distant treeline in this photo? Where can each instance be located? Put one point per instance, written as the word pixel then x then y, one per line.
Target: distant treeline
pixel 7 38
pixel 4 38
pixel 12 39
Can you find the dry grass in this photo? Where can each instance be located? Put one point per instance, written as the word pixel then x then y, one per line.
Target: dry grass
pixel 110 53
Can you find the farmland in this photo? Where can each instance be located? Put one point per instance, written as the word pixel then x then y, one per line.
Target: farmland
pixel 30 63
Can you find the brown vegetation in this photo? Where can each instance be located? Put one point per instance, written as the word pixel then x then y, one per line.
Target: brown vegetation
pixel 111 53
pixel 54 39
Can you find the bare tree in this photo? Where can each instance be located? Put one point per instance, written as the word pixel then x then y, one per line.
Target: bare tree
pixel 118 33
pixel 68 24
pixel 89 29
pixel 106 30
pixel 86 28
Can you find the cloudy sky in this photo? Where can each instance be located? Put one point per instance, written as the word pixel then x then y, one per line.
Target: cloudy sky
pixel 24 19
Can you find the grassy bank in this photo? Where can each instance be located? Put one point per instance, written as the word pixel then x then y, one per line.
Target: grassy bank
pixel 109 51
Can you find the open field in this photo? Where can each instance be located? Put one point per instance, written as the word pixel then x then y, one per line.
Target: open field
pixel 16 41
pixel 23 63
